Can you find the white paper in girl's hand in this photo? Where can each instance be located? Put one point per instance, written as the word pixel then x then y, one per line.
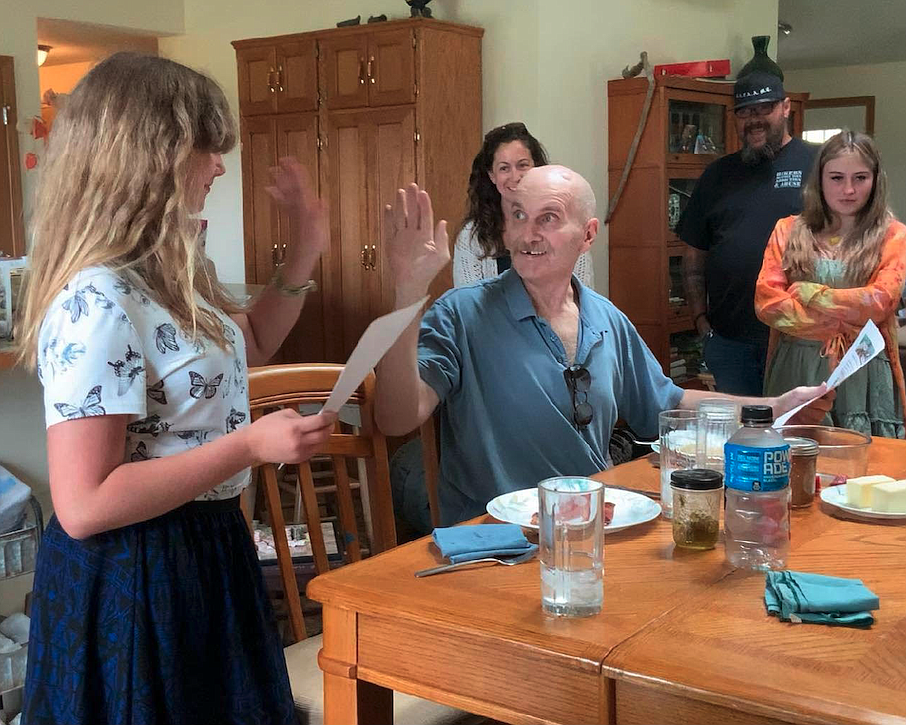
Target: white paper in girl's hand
pixel 374 343
pixel 868 344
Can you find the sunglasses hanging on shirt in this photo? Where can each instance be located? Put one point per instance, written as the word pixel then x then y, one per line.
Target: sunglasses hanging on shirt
pixel 578 380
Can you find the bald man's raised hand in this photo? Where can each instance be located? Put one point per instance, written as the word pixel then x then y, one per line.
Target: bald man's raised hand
pixel 415 249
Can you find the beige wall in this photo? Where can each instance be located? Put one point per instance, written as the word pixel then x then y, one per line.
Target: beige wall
pixel 884 81
pixel 62 78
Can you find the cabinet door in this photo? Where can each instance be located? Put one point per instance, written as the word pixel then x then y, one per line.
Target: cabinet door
pixel 259 221
pixel 356 286
pixel 343 71
pixel 391 167
pixel 297 77
pixel 390 70
pixel 257 69
pixel 297 135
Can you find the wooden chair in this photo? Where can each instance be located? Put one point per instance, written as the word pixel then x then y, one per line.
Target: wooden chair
pixel 279 386
pixel 428 434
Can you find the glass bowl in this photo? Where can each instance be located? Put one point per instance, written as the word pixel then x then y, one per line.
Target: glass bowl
pixel 841 451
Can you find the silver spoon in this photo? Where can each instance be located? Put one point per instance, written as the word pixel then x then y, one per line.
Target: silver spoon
pixel 505 560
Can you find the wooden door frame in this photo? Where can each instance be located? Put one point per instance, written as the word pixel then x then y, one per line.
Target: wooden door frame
pixel 9 112
pixel 867 101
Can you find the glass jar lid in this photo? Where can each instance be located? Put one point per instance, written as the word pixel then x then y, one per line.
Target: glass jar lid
pixel 801 446
pixel 697 479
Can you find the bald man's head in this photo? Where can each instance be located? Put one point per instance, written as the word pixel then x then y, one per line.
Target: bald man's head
pixel 578 194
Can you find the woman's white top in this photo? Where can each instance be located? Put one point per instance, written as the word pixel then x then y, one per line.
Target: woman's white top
pixel 469 267
pixel 106 348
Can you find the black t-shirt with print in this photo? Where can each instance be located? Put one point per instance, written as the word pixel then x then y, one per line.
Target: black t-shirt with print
pixel 731 215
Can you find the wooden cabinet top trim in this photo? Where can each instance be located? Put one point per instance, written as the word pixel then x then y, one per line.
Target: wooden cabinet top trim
pixel 364 28
pixel 630 86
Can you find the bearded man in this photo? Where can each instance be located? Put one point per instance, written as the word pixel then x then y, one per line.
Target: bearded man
pixel 726 225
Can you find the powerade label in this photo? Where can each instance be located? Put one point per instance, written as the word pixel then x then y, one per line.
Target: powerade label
pixel 756 469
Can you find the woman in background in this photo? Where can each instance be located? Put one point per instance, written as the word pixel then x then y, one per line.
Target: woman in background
pixel 479 253
pixel 828 271
pixel 149 605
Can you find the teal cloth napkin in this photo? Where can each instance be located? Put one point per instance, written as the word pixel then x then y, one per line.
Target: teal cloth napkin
pixel 795 596
pixel 476 541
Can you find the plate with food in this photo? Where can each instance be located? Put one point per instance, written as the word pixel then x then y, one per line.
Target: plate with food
pixel 870 497
pixel 626 508
pixel 687 446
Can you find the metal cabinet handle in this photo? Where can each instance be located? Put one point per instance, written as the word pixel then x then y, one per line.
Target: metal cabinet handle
pixel 371 65
pixel 365 256
pixel 283 253
pixel 270 80
pixel 361 71
pixel 274 257
pixel 373 257
pixel 280 78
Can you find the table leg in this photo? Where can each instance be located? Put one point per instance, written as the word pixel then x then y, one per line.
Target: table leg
pixel 348 700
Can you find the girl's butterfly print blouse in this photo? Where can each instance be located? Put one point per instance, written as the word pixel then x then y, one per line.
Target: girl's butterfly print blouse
pixel 106 348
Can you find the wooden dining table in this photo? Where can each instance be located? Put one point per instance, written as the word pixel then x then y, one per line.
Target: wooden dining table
pixel 683 637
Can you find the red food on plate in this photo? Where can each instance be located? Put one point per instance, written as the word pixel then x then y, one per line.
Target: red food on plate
pixel 608 514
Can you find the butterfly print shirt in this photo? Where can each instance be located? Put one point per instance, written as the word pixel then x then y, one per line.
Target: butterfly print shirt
pixel 106 348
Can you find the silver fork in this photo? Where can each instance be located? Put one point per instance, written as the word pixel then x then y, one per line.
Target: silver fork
pixel 505 560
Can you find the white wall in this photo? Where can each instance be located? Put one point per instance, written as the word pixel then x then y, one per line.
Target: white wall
pixel 884 81
pixel 544 62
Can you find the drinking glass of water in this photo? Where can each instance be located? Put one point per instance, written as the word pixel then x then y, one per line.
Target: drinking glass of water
pixel 571 543
pixel 720 420
pixel 681 433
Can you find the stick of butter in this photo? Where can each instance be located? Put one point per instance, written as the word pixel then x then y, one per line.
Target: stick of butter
pixel 889 497
pixel 858 490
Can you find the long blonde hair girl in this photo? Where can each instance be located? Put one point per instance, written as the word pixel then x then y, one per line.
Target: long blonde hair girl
pixel 114 191
pixel 860 250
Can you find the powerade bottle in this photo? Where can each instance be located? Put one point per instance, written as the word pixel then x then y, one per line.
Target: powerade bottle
pixel 757 478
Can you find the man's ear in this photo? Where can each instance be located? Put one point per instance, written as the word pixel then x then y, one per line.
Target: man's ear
pixel 591 232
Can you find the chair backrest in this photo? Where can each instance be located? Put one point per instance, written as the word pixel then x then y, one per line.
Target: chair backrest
pixel 289 386
pixel 428 434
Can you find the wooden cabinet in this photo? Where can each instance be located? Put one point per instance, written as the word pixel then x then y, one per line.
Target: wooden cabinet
pixel 372 155
pixel 377 69
pixel 278 78
pixel 690 124
pixel 387 110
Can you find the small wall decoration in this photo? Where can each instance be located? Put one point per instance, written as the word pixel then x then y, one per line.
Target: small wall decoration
pixel 419 8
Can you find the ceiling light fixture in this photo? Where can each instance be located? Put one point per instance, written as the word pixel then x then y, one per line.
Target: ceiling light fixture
pixel 784 28
pixel 43 50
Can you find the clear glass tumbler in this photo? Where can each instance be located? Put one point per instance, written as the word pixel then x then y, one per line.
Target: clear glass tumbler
pixel 720 420
pixel 571 545
pixel 680 432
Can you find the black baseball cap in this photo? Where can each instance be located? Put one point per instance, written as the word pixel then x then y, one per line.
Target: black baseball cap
pixel 757 87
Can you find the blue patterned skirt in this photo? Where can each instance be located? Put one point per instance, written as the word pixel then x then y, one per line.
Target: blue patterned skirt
pixel 162 622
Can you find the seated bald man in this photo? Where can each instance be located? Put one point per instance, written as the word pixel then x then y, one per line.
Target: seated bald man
pixel 531 369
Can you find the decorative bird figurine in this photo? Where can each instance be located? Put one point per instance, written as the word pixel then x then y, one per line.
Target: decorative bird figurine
pixel 419 7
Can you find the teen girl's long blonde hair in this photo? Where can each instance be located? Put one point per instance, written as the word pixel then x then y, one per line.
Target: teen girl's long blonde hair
pixel 860 250
pixel 113 191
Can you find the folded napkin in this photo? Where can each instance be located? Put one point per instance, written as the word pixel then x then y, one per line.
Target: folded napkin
pixel 465 543
pixel 799 597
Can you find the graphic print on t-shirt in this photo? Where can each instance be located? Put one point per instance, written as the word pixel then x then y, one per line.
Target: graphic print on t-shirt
pixel 789 179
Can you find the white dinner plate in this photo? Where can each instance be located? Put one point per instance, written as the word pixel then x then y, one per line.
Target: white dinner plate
pixel 836 496
pixel 630 508
pixel 687 446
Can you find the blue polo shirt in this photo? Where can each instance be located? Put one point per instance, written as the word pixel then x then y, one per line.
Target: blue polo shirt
pixel 506 414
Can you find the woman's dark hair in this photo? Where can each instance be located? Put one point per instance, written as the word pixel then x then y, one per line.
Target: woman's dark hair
pixel 484 210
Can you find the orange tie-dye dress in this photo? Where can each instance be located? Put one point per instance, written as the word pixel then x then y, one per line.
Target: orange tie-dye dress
pixel 813 323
